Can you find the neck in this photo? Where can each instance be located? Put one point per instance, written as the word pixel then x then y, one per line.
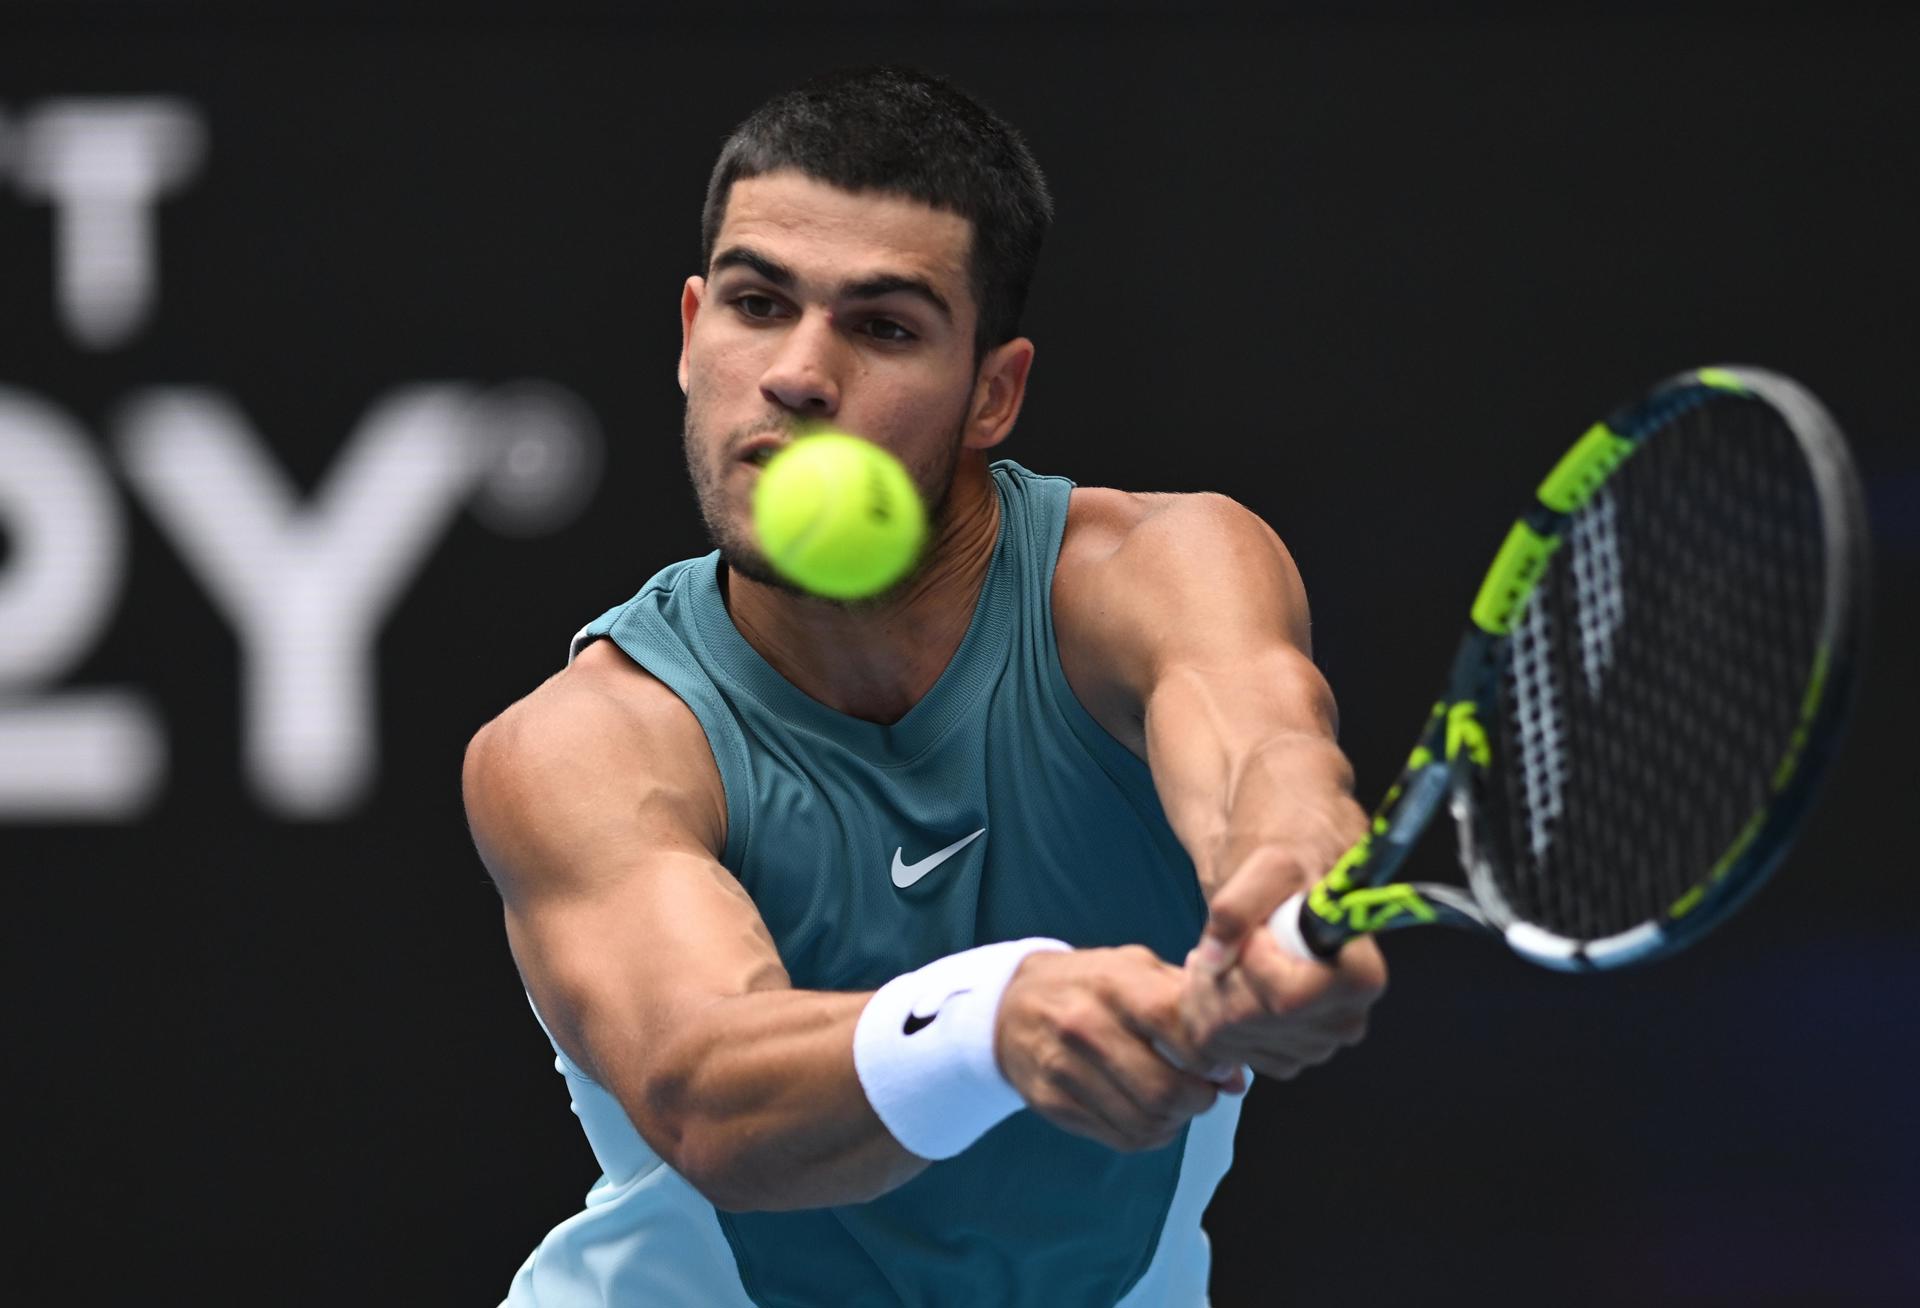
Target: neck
pixel 876 661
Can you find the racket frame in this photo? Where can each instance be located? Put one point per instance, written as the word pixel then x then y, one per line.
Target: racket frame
pixel 1452 760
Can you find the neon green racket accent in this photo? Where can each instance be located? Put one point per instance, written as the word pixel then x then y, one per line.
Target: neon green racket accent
pixel 1341 876
pixel 1371 907
pixel 1738 847
pixel 1809 705
pixel 1721 380
pixel 1323 906
pixel 1421 758
pixel 1691 900
pixel 1516 570
pixel 1339 880
pixel 1581 469
pixel 1465 732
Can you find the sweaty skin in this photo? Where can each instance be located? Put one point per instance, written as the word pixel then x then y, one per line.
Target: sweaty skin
pixel 596 804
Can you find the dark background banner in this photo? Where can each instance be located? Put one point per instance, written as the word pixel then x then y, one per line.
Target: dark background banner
pixel 336 391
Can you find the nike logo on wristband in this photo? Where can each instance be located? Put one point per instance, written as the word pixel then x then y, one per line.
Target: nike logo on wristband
pixel 905 874
pixel 916 1021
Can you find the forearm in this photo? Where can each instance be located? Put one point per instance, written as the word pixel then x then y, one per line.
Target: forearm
pixel 1091 1040
pixel 1192 639
pixel 1264 797
pixel 1246 766
pixel 760 1106
pixel 785 1099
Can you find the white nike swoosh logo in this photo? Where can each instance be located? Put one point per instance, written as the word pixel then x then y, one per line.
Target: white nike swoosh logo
pixel 905 874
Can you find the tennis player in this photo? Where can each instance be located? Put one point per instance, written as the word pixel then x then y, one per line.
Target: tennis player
pixel 907 951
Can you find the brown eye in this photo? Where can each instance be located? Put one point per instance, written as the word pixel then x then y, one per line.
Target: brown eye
pixel 755 306
pixel 885 329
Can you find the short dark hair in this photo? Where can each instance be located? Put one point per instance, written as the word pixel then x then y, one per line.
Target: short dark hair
pixel 908 133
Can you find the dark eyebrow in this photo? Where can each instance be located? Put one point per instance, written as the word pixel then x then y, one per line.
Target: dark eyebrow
pixel 870 288
pixel 893 284
pixel 739 256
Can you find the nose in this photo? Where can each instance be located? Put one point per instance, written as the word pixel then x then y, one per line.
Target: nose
pixel 803 376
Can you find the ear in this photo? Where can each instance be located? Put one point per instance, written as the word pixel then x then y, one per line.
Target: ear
pixel 691 296
pixel 999 389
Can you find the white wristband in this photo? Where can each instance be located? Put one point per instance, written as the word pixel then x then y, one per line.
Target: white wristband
pixel 923 1048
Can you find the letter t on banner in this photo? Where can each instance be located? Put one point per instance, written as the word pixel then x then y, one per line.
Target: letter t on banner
pixel 104 165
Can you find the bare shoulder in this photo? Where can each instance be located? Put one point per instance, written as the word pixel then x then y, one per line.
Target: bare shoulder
pixel 1198 554
pixel 600 755
pixel 1161 528
pixel 1148 578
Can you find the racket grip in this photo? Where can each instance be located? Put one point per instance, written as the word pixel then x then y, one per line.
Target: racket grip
pixel 1293 928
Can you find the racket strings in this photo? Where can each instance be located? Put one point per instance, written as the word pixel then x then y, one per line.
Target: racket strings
pixel 1536 720
pixel 1598 605
pixel 1655 677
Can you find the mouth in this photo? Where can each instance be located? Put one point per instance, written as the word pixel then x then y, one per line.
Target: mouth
pixel 761 449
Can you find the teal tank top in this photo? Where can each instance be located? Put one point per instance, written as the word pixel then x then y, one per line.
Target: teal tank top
pixel 1072 844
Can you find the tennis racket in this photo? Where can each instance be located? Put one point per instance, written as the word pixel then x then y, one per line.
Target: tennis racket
pixel 1658 663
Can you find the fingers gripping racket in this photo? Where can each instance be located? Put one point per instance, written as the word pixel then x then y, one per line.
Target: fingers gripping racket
pixel 1657 665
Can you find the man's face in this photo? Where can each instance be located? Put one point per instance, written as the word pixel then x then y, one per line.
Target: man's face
pixel 824 306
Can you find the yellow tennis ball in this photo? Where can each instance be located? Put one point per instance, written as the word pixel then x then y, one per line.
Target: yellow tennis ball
pixel 838 516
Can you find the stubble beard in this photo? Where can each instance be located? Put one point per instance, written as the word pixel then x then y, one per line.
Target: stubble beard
pixel 741 552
